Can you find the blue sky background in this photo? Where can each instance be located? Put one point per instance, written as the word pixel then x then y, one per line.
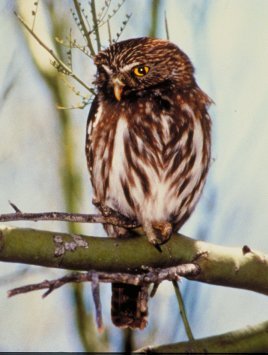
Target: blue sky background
pixel 227 41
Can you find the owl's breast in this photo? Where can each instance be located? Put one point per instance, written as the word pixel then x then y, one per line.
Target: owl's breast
pixel 149 166
pixel 106 137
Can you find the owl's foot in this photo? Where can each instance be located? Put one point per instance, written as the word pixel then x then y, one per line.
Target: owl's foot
pixel 110 212
pixel 157 232
pixel 105 210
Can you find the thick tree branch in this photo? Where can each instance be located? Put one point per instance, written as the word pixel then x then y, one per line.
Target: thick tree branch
pixel 253 339
pixel 233 267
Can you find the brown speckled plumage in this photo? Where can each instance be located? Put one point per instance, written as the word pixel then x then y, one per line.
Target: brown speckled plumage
pixel 147 146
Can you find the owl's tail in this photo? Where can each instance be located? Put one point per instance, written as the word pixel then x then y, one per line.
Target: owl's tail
pixel 129 305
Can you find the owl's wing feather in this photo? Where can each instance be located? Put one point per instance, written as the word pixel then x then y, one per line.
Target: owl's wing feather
pixel 90 120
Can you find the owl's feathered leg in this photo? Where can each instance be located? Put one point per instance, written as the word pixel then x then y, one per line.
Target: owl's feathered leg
pixel 157 232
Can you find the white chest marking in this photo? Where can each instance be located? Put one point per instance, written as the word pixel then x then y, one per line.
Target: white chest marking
pixel 115 197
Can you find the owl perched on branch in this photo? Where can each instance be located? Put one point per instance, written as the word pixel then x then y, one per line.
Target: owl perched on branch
pixel 147 146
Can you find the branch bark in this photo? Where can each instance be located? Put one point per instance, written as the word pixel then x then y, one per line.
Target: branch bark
pixel 153 276
pixel 253 339
pixel 112 218
pixel 233 267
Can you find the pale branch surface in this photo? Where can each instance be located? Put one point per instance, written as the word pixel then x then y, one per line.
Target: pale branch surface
pixel 226 266
pixel 153 276
pixel 252 339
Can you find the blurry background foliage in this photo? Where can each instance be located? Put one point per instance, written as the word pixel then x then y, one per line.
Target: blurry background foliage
pixel 43 167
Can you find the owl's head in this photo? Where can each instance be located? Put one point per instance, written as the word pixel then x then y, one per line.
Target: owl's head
pixel 140 64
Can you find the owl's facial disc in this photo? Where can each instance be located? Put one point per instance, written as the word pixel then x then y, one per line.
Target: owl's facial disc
pixel 125 78
pixel 118 81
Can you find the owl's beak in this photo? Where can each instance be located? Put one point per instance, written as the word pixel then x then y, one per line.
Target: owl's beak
pixel 118 88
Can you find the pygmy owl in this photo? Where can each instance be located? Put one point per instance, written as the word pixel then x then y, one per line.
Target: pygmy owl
pixel 147 147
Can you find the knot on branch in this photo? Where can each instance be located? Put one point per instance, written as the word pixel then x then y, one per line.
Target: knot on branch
pixel 61 247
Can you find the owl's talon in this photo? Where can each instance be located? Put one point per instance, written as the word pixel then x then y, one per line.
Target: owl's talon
pixel 158 233
pixel 158 247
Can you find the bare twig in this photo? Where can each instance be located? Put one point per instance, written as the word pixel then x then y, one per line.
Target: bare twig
pixel 105 17
pixel 109 33
pixel 67 70
pixel 83 26
pixel 15 208
pixel 72 43
pixel 104 10
pixel 182 311
pixel 155 275
pixel 34 13
pixel 155 288
pixel 166 26
pixel 123 26
pixel 114 219
pixel 95 22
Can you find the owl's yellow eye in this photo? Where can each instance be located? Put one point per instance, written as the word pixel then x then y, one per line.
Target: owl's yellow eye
pixel 141 70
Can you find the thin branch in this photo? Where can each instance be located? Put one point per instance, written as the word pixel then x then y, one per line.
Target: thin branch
pixel 109 33
pixel 122 28
pixel 83 26
pixel 69 52
pixel 166 26
pixel 117 220
pixel 95 22
pixel 15 208
pixel 182 311
pixel 155 288
pixel 156 275
pixel 108 16
pixel 34 12
pixel 72 43
pixel 51 52
pixel 102 14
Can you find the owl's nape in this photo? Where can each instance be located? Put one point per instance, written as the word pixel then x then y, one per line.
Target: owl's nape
pixel 148 148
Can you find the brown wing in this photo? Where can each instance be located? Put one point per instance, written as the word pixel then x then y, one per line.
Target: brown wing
pixel 129 303
pixel 90 120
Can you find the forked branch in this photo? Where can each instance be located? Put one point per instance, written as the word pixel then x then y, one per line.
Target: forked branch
pixel 61 65
pixel 156 275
